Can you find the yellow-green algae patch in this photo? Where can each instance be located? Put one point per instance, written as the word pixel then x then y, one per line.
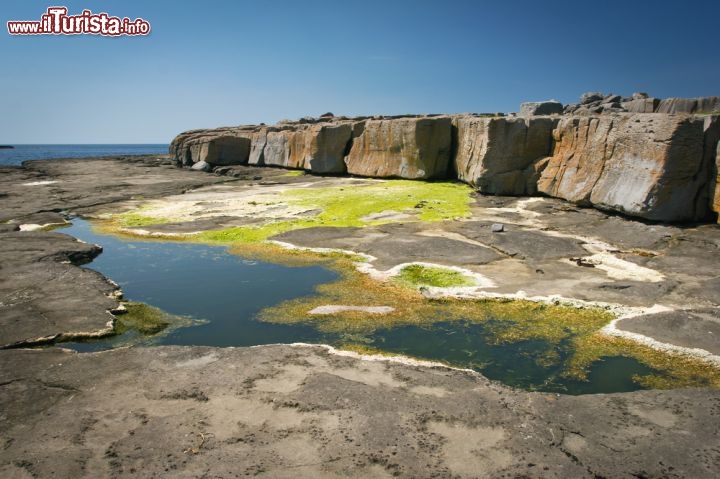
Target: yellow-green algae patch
pixel 574 331
pixel 337 206
pixel 421 275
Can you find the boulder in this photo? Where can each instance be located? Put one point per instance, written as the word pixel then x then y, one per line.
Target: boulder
pixel 640 95
pixel 641 105
pixel 550 107
pixel 644 165
pixel 413 148
pixel 496 154
pixel 590 97
pixel 201 166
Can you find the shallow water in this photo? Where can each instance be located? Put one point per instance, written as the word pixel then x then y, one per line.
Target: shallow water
pixel 228 291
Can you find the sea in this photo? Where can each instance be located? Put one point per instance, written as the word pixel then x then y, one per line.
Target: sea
pixel 20 153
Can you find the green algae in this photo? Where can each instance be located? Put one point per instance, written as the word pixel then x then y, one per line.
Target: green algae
pixel 339 206
pixel 421 275
pixel 143 318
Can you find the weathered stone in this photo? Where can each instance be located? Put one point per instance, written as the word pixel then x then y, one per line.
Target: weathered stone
pixel 327 148
pixel 202 166
pixel 642 165
pixel 591 96
pixel 689 105
pixel 412 148
pixel 225 150
pixel 612 99
pixel 550 107
pixel 276 152
pixel 641 105
pixel 640 96
pixel 711 131
pixel 258 140
pixel 495 154
pixel 319 148
pixel 716 195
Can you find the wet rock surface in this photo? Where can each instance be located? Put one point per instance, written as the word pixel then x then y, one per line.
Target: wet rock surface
pixel 280 411
pixel 276 411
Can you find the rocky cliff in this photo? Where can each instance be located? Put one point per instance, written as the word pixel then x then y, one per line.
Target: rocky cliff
pixel 639 156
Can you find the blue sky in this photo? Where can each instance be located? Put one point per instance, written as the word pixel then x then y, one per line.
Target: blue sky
pixel 216 63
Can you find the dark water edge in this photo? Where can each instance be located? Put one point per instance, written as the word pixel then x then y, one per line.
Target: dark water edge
pixel 19 153
pixel 224 294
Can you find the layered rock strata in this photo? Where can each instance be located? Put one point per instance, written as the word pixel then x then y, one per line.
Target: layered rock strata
pixel 497 155
pixel 644 165
pixel 613 153
pixel 413 148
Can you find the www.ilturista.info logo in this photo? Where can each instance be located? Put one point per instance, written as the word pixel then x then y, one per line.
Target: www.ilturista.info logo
pixel 57 22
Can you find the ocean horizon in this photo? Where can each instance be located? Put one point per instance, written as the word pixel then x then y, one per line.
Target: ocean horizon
pixel 23 152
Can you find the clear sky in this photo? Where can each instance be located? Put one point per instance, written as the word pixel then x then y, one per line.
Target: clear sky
pixel 216 63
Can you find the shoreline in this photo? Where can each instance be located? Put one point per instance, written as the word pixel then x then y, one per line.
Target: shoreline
pixel 308 399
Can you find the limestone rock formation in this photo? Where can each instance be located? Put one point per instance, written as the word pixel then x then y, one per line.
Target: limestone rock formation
pixel 532 108
pixel 716 195
pixel 641 105
pixel 411 148
pixel 222 146
pixel 496 154
pixel 642 165
pixel 638 155
pixel 319 148
pixel 709 104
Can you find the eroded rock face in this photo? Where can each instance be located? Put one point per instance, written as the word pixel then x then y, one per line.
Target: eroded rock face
pixel 641 105
pixel 643 165
pixel 223 146
pixel 709 104
pixel 716 196
pixel 319 148
pixel 531 108
pixel 496 154
pixel 411 148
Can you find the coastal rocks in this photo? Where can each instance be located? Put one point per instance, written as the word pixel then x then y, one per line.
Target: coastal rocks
pixel 319 148
pixel 641 105
pixel 411 148
pixel 532 108
pixel 496 154
pixel 716 195
pixel 643 165
pixel 216 147
pixel 689 105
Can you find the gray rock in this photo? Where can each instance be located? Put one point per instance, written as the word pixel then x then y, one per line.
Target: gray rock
pixel 640 96
pixel 704 105
pixel 202 166
pixel 411 148
pixel 591 96
pixel 550 107
pixel 497 228
pixel 641 105
pixel 495 154
pixel 644 165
